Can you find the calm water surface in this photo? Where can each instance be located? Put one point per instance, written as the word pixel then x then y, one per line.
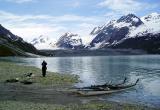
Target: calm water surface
pixel 101 69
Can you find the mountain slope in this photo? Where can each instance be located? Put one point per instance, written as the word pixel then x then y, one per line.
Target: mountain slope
pixel 43 43
pixel 11 44
pixel 148 42
pixel 70 41
pixel 128 32
pixel 115 30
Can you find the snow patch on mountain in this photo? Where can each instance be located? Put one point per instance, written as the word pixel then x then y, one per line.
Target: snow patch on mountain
pixel 43 42
pixel 151 25
pixel 135 19
pixel 99 29
pixel 151 17
pixel 152 22
pixel 122 24
pixel 69 40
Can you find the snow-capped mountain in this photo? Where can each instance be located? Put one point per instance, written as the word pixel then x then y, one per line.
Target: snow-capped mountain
pixel 151 25
pixel 114 31
pixel 128 31
pixel 70 40
pixel 66 41
pixel 127 27
pixel 43 42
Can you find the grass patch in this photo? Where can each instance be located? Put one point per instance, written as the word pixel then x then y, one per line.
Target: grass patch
pixel 14 105
pixel 11 70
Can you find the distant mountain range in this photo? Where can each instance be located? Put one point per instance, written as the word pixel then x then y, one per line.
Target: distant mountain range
pixel 66 41
pixel 127 32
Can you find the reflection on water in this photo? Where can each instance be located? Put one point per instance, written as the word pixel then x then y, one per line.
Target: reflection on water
pixel 98 70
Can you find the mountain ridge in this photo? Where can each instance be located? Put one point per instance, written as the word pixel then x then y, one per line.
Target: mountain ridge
pixel 130 26
pixel 67 41
pixel 14 45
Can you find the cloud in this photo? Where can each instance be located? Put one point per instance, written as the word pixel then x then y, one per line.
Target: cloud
pixel 31 26
pixel 113 15
pixel 75 4
pixel 55 19
pixel 20 1
pixel 31 31
pixel 126 6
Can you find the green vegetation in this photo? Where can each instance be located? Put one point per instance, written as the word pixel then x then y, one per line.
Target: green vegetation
pixel 14 105
pixel 12 71
pixel 9 47
pixel 6 51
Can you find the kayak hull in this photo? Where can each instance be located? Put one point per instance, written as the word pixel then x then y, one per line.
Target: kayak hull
pixel 94 93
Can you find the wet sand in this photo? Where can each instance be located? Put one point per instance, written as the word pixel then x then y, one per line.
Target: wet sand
pixel 41 94
pixel 53 95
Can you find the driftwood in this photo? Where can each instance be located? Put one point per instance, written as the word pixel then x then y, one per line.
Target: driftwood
pixel 12 80
pixel 26 82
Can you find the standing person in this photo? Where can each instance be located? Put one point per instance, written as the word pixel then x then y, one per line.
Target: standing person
pixel 44 68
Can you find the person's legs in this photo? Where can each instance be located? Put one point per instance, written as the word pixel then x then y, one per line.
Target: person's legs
pixel 43 72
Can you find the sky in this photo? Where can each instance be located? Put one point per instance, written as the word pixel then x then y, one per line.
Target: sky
pixel 52 18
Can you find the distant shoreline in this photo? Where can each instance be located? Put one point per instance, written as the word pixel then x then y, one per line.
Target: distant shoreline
pixel 93 52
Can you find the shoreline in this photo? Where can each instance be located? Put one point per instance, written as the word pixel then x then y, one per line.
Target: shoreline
pixel 44 94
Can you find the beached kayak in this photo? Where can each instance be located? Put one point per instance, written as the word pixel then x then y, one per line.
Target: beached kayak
pixel 97 90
